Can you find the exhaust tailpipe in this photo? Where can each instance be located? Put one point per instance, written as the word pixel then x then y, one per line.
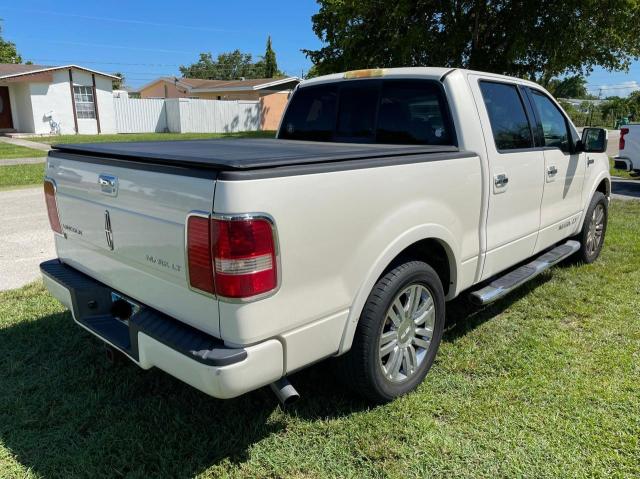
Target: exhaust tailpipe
pixel 284 391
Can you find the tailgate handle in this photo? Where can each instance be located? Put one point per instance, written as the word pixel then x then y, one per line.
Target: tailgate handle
pixel 108 184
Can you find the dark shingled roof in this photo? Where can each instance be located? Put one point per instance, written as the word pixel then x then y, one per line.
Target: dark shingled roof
pixel 14 69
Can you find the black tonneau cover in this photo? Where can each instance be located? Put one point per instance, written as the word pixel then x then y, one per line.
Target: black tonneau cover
pixel 244 154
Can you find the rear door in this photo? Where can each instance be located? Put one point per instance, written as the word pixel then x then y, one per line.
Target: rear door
pixel 564 172
pixel 516 177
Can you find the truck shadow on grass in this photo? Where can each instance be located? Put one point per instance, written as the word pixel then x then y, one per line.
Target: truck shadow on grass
pixel 65 411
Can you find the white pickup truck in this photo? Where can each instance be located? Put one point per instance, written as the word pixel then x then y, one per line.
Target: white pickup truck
pixel 628 158
pixel 231 264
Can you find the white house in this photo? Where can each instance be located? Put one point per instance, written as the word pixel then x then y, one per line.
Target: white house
pixel 55 99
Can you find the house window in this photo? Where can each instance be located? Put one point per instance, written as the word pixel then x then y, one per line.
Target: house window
pixel 85 108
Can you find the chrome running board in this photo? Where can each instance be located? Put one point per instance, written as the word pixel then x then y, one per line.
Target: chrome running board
pixel 503 285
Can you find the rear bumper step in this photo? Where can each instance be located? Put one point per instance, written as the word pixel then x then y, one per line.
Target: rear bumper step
pixel 503 285
pixel 151 338
pixel 91 305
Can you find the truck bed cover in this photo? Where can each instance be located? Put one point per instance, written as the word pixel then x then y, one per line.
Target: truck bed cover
pixel 244 154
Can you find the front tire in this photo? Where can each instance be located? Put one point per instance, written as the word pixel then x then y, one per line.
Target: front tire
pixel 398 334
pixel 594 229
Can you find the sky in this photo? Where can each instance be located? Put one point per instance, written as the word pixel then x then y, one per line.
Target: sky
pixel 146 39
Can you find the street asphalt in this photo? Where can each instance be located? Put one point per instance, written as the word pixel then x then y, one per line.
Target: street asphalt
pixel 26 239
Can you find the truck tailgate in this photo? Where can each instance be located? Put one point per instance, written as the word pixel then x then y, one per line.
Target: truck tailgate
pixel 145 211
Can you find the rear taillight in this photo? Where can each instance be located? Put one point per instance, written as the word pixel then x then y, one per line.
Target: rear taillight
pixel 623 131
pixel 52 205
pixel 233 257
pixel 199 253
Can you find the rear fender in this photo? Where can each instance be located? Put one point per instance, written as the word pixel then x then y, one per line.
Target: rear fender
pixel 418 233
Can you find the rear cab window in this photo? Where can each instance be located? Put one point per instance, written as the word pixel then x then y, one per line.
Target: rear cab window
pixel 507 115
pixel 392 111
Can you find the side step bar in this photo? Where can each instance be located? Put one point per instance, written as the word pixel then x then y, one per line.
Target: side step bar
pixel 503 285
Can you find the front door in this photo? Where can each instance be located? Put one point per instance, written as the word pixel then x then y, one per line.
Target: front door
pixel 6 122
pixel 515 174
pixel 563 172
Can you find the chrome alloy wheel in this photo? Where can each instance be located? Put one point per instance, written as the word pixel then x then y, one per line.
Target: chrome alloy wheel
pixel 596 228
pixel 406 333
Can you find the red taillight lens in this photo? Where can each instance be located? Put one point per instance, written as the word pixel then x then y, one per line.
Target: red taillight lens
pixel 623 131
pixel 244 255
pixel 199 253
pixel 52 206
pixel 233 258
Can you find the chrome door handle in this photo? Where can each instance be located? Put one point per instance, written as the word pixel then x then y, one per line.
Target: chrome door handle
pixel 552 171
pixel 500 180
pixel 108 184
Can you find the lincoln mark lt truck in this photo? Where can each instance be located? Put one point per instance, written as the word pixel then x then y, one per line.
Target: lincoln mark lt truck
pixel 232 263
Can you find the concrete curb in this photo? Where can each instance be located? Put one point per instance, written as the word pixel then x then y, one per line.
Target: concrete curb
pixel 22 161
pixel 25 143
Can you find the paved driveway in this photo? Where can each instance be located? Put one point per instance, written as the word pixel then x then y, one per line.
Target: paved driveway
pixel 625 189
pixel 25 237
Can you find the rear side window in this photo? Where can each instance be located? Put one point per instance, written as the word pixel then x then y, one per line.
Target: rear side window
pixel 371 111
pixel 509 123
pixel 554 126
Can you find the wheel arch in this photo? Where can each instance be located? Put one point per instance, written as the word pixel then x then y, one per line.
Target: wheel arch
pixel 602 185
pixel 432 244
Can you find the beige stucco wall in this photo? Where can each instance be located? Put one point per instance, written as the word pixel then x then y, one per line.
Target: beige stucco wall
pixel 157 90
pixel 272 107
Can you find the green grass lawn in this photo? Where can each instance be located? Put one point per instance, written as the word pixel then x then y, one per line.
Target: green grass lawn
pixel 618 173
pixel 545 383
pixel 21 175
pixel 8 151
pixel 52 140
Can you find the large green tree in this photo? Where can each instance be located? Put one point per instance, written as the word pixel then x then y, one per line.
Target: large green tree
pixel 570 87
pixel 8 51
pixel 227 66
pixel 538 40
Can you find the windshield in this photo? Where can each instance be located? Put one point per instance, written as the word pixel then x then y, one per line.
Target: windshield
pixel 370 111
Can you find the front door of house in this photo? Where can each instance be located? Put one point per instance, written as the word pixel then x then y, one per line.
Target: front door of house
pixel 5 108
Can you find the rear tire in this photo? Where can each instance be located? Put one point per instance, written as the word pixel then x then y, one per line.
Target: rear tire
pixel 594 229
pixel 398 333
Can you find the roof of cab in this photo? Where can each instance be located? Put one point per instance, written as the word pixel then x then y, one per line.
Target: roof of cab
pixel 430 73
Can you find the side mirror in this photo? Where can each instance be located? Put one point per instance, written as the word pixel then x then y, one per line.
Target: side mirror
pixel 594 140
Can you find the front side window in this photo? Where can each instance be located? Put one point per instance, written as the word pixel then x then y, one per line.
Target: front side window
pixel 509 123
pixel 370 111
pixel 83 96
pixel 554 126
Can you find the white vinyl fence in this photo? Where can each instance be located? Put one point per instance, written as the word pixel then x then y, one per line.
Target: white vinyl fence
pixel 185 115
pixel 140 116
